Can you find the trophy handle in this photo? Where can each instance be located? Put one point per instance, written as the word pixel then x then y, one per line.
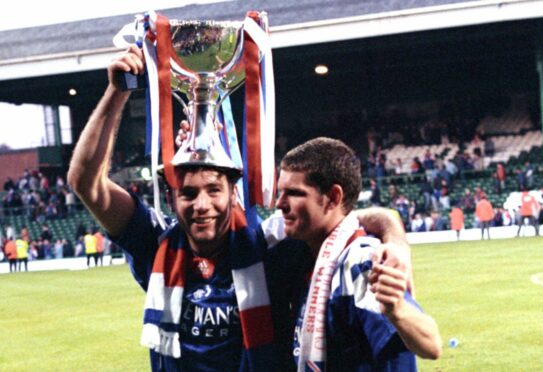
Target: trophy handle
pixel 221 100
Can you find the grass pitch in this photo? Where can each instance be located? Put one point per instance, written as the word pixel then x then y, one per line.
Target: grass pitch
pixel 86 320
pixel 479 292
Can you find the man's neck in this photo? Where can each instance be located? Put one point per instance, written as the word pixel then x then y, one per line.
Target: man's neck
pixel 333 221
pixel 208 250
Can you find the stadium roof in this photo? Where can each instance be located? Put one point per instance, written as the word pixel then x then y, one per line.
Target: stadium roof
pixel 87 45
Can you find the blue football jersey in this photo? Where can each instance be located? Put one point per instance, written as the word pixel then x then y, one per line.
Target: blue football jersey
pixel 359 337
pixel 210 330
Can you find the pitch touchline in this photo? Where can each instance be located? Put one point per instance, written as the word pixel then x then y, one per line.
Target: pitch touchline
pixel 537 279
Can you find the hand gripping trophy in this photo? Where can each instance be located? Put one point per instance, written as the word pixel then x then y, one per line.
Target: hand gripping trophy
pixel 205 61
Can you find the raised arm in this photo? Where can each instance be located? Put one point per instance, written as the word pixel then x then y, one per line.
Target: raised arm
pixel 88 175
pixel 418 330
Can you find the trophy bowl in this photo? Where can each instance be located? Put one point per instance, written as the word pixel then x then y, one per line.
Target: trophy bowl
pixel 209 50
pixel 207 65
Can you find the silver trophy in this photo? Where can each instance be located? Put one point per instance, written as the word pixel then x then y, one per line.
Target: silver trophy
pixel 208 68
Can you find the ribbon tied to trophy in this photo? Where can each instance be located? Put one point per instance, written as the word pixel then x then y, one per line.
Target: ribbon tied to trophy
pixel 205 61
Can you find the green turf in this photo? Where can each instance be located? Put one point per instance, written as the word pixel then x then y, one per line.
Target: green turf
pixel 90 320
pixel 86 320
pixel 481 294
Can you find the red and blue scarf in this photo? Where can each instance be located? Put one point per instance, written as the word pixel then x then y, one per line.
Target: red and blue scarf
pixel 165 294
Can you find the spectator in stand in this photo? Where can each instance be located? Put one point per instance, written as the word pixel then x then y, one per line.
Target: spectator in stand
pixel 498 218
pixel 9 184
pixel 426 191
pixel 444 174
pixel 23 182
pixel 80 231
pixel 500 177
pixel 59 201
pixel 60 183
pixel 10 232
pixel 33 251
pixel 70 202
pixel 529 175
pixel 444 198
pixel 10 250
pixel 437 222
pixel 25 234
pixel 451 168
pixel 436 193
pixel 402 206
pixel 46 233
pixel 529 211
pixel 418 224
pixel 457 220
pixel 46 248
pixel 416 166
pixel 485 214
pixel 79 246
pixel 506 217
pixel 489 146
pixel 429 166
pixel 398 166
pixel 468 162
pixel 478 193
pixel 380 171
pixel 427 221
pixel 370 164
pixel 41 212
pixel 58 249
pixel 35 203
pixel 33 182
pixel 67 248
pixel 477 160
pixel 51 211
pixel 521 179
pixel 26 199
pixel 44 182
pixel 375 198
pixel 438 162
pixel 477 139
pixel 392 193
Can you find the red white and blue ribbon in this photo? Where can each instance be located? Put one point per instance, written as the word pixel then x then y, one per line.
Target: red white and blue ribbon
pixel 259 127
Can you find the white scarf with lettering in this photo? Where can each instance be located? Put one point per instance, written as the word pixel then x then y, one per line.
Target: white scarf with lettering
pixel 313 333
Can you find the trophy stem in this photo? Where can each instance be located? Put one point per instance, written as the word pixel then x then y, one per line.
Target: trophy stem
pixel 202 122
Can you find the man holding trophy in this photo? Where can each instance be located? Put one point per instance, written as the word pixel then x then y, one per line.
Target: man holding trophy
pixel 219 291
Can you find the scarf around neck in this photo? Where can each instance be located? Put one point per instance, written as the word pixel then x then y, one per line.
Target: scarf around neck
pixel 312 338
pixel 164 297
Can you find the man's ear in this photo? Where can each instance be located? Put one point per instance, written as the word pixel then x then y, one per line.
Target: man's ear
pixel 335 196
pixel 234 195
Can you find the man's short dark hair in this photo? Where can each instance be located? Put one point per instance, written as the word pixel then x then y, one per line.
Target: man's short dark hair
pixel 232 175
pixel 325 162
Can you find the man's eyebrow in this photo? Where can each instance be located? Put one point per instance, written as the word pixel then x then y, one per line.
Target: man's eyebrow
pixel 292 190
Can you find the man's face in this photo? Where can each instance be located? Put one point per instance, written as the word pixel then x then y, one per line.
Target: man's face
pixel 203 206
pixel 303 208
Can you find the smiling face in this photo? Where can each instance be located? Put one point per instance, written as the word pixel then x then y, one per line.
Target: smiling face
pixel 203 205
pixel 304 209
